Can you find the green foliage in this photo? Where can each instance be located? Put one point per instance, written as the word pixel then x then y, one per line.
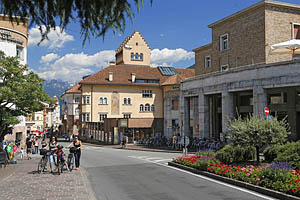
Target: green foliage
pixel 21 92
pixel 202 164
pixel 234 154
pixel 258 132
pixel 272 151
pixel 290 153
pixel 95 17
pixel 206 153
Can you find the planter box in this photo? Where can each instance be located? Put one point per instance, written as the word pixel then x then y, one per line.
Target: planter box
pixel 258 189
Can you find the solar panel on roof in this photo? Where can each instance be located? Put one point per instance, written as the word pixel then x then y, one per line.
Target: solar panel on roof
pixel 167 71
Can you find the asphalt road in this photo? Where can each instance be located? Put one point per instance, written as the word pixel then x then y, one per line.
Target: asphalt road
pixel 117 174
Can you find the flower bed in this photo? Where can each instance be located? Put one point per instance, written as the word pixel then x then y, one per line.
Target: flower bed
pixel 278 176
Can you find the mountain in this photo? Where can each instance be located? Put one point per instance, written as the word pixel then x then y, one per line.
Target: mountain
pixel 56 87
pixel 191 67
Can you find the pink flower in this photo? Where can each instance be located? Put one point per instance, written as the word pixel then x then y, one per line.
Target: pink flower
pixel 257 179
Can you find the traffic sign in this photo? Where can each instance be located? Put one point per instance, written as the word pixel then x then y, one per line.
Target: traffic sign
pixel 187 140
pixel 267 111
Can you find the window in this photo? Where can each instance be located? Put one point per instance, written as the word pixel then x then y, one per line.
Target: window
pixel 224 68
pixel 207 61
pixel 147 93
pixel 296 32
pixel 132 56
pixel 175 123
pixel 147 107
pixel 136 56
pixel 246 100
pixel 102 117
pixel 20 52
pixel 152 108
pixel 224 44
pixel 76 100
pixel 141 108
pixel 105 100
pixel 141 56
pixel 175 104
pixel 101 100
pixel 85 99
pixel 127 101
pixel 76 111
pixel 127 115
pixel 37 118
pixel 277 98
pixel 85 117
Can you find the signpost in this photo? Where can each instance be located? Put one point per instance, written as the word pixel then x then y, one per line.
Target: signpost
pixel 185 141
pixel 267 111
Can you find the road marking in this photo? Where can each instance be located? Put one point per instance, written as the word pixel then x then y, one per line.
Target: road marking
pixel 152 159
pixel 156 161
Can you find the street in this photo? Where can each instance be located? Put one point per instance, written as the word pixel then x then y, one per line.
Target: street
pixel 134 175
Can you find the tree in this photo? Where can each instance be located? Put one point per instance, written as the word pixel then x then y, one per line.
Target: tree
pixel 21 93
pixel 96 17
pixel 258 132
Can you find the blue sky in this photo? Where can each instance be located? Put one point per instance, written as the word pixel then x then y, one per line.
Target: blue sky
pixel 172 27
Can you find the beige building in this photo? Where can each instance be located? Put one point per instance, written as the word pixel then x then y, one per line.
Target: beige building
pixel 127 97
pixel 237 74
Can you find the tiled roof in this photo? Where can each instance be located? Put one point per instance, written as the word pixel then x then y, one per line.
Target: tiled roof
pixel 74 89
pixel 122 75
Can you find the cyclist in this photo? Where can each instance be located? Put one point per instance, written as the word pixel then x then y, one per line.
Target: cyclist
pixel 78 144
pixel 52 148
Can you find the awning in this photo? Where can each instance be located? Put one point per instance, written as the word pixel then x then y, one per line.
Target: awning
pixel 140 123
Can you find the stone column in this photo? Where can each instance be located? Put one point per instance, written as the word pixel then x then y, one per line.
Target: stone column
pixel 186 116
pixel 291 111
pixel 259 100
pixel 227 109
pixel 203 115
pixel 196 116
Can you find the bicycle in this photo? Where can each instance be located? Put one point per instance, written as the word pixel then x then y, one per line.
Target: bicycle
pixel 44 160
pixel 71 158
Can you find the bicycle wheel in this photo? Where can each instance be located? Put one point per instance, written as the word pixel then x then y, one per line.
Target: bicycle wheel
pixel 60 167
pixel 71 162
pixel 44 164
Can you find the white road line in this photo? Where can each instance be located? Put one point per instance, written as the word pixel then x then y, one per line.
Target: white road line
pixel 156 161
pixel 151 158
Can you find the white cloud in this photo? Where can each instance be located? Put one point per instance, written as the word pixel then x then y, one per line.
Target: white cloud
pixel 57 39
pixel 72 67
pixel 49 57
pixel 166 56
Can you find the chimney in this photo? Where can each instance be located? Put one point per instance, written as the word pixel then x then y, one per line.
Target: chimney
pixel 110 76
pixel 111 63
pixel 133 77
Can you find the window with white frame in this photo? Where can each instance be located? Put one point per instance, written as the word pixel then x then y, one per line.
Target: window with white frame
pixel 147 93
pixel 126 115
pixel 102 116
pixel 20 52
pixel 85 99
pixel 147 107
pixel 141 108
pixel 76 111
pixel 103 100
pixel 207 61
pixel 224 42
pixel 76 100
pixel 152 108
pixel 85 117
pixel 127 101
pixel 224 68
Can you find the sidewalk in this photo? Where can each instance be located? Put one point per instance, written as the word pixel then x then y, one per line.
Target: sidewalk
pixel 20 181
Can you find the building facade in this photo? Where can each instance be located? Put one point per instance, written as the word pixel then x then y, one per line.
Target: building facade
pixel 70 110
pixel 237 74
pixel 13 42
pixel 126 98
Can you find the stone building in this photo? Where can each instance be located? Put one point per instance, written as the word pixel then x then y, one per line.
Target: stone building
pixel 237 73
pixel 13 42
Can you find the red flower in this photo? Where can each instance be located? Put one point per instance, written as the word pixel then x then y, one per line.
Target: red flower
pixel 293 190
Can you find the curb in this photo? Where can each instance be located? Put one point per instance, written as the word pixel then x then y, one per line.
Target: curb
pixel 84 174
pixel 258 189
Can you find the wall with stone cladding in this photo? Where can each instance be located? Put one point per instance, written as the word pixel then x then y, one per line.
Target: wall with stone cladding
pixel 200 60
pixel 279 29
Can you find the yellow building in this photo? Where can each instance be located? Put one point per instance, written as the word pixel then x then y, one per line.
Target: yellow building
pixel 126 97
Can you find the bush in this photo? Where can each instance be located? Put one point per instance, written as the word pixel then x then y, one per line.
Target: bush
pixel 291 154
pixel 206 153
pixel 272 151
pixel 234 154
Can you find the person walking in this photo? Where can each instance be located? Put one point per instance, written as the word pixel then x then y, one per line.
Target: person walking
pixel 52 148
pixel 36 145
pixel 78 145
pixel 29 146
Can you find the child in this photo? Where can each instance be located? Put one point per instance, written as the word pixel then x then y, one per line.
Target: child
pixel 60 155
pixel 22 153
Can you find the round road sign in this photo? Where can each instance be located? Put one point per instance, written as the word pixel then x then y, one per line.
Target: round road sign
pixel 267 111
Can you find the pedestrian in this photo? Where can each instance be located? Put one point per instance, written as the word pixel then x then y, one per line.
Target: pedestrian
pixel 29 146
pixel 36 145
pixel 78 145
pixel 22 153
pixel 52 148
pixel 44 144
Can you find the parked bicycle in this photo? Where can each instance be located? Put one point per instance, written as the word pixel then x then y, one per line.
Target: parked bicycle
pixel 71 158
pixel 42 165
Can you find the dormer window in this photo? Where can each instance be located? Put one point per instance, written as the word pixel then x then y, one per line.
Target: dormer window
pixel 141 56
pixel 132 56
